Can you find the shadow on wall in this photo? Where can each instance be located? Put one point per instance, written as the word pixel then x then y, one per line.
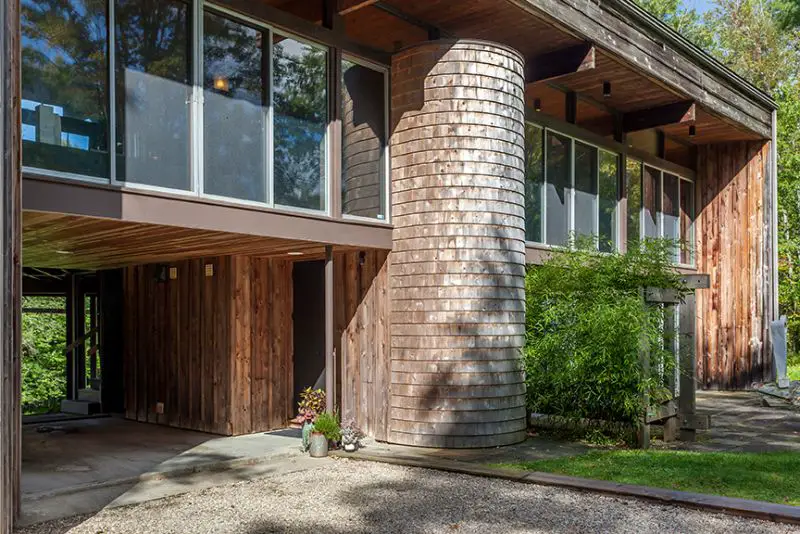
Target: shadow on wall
pixel 733 347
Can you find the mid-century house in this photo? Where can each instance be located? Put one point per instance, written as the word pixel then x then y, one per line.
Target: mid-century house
pixel 248 197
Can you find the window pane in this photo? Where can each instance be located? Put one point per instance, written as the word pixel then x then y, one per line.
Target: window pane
pixel 687 222
pixel 64 86
pixel 609 193
pixel 633 192
pixel 650 193
pixel 534 179
pixel 363 141
pixel 670 210
pixel 557 188
pixel 235 111
pixel 585 190
pixel 153 90
pixel 300 100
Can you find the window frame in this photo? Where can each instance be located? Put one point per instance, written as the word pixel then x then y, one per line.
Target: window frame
pixel 197 10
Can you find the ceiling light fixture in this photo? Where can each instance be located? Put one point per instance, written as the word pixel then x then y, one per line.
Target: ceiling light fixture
pixel 537 104
pixel 692 130
pixel 294 253
pixel 606 89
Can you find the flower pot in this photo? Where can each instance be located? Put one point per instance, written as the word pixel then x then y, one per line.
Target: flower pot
pixel 319 445
pixel 350 447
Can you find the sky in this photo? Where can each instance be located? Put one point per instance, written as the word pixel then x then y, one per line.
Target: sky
pixel 700 5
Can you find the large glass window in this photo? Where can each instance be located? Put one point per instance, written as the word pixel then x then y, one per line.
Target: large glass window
pixel 633 194
pixel 670 211
pixel 300 121
pixel 687 222
pixel 651 194
pixel 65 86
pixel 585 190
pixel 557 188
pixel 153 92
pixel 534 180
pixel 235 114
pixel 608 201
pixel 363 141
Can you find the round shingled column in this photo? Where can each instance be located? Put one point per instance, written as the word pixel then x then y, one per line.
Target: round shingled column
pixel 458 261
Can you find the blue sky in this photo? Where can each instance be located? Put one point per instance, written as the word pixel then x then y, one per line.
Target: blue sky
pixel 699 5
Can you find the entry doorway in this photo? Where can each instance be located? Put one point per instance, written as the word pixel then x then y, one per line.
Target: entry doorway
pixel 308 318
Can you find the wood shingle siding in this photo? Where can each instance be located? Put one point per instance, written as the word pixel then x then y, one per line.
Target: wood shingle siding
pixel 457 265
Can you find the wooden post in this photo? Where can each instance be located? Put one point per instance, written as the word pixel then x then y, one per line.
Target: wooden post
pixel 92 344
pixel 10 265
pixel 70 337
pixel 688 377
pixel 330 357
pixel 643 434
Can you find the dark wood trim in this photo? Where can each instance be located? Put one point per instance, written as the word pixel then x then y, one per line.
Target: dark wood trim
pixel 10 265
pixel 434 32
pixel 350 6
pixel 684 112
pixel 330 357
pixel 559 63
pixel 571 107
pixel 610 31
pixel 335 158
pixel 303 28
pixel 69 197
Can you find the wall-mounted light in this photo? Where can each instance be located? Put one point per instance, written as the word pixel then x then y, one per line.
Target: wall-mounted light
pixel 64 252
pixel 222 84
pixel 606 89
pixel 692 130
pixel 537 104
pixel 294 253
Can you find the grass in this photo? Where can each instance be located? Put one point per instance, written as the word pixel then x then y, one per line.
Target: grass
pixel 772 477
pixel 794 366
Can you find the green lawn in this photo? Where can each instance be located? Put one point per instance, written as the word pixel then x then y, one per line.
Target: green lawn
pixel 773 477
pixel 794 366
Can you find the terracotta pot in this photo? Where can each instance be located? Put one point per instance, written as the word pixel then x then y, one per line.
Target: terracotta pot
pixel 319 445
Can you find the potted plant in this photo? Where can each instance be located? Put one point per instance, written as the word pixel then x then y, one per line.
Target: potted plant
pixel 312 402
pixel 325 431
pixel 351 436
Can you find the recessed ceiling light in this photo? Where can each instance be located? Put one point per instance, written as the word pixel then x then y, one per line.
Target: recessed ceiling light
pixel 295 253
pixel 63 252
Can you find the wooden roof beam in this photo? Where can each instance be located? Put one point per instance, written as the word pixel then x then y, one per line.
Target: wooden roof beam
pixel 560 63
pixel 684 112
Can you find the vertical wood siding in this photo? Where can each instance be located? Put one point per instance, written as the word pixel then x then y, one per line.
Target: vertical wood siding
pixel 361 339
pixel 734 314
pixel 216 350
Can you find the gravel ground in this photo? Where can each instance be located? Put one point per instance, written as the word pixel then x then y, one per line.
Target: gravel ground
pixel 346 497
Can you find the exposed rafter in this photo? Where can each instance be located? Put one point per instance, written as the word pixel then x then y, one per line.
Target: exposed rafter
pixel 684 112
pixel 434 32
pixel 560 63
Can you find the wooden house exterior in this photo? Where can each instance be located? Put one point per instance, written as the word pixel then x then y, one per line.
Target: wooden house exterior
pixel 286 187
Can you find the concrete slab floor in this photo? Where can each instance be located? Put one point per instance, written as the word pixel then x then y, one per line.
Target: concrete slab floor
pixel 77 467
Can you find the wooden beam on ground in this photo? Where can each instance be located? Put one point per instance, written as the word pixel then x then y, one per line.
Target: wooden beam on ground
pixel 578 58
pixel 684 112
pixel 10 265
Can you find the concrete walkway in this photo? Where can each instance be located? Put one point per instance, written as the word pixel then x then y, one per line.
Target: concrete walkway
pixel 79 467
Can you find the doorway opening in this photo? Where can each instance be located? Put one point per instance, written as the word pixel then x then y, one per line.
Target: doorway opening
pixel 308 279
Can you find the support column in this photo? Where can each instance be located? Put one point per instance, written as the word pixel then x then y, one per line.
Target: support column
pixel 330 357
pixel 10 265
pixel 458 260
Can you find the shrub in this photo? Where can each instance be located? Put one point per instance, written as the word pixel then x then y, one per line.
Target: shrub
pixel 586 322
pixel 312 403
pixel 328 424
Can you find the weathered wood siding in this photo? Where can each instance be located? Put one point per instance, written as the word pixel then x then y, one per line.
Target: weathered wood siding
pixel 10 266
pixel 734 248
pixel 215 350
pixel 457 265
pixel 361 339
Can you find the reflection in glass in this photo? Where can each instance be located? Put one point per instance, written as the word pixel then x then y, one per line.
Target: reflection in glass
pixel 64 86
pixel 363 141
pixel 557 189
pixel 687 222
pixel 585 190
pixel 670 211
pixel 235 110
pixel 300 118
pixel 633 192
pixel 153 91
pixel 534 179
pixel 651 180
pixel 609 192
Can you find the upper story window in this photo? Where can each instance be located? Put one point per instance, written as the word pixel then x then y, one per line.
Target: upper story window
pixel 571 190
pixel 199 101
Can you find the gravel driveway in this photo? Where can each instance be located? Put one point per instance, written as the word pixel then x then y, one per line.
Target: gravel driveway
pixel 345 497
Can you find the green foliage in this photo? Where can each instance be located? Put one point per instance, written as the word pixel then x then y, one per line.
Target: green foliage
pixel 328 425
pixel 768 477
pixel 43 359
pixel 794 366
pixel 586 321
